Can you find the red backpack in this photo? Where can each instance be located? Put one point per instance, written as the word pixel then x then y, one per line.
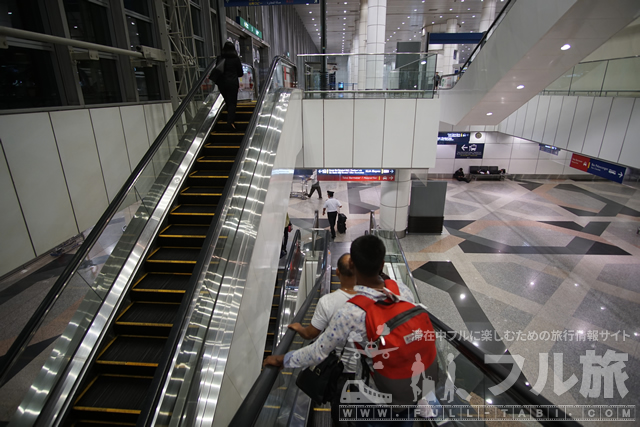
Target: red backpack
pixel 397 332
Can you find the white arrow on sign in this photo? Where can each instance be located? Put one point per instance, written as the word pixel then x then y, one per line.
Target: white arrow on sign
pixel 464 148
pixel 620 174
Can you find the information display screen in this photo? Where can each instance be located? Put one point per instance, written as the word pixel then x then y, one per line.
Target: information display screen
pixel 453 137
pixel 356 174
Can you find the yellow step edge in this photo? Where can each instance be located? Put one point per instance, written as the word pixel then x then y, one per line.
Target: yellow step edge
pixel 170 261
pixel 183 236
pixel 271 407
pixel 286 373
pixel 111 423
pixel 113 362
pixel 221 146
pixel 108 410
pixel 226 133
pixel 153 325
pixel 322 409
pixel 160 291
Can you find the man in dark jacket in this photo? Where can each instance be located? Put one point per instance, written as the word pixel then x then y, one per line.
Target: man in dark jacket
pixel 228 82
pixel 459 175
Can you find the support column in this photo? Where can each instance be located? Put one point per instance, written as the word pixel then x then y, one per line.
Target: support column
pixel 394 202
pixel 376 23
pixel 448 61
pixel 353 60
pixel 362 45
pixel 488 14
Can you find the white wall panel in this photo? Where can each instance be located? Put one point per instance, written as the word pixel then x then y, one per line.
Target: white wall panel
pixel 522 115
pixel 525 151
pixel 167 108
pixel 501 163
pixel 511 123
pixel 135 133
pixel 502 138
pixel 502 126
pixel 465 163
pixel 16 246
pixel 550 167
pixel 443 166
pixel 338 133
pixel 446 151
pixel 33 158
pixel 313 133
pixel 580 123
pixel 397 148
pixel 497 151
pixel 616 129
pixel 426 133
pixel 155 120
pixel 112 148
pixel 530 121
pixel 490 137
pixel 553 117
pixel 630 154
pixel 597 125
pixel 562 154
pixel 368 133
pixel 173 135
pixel 81 164
pixel 566 121
pixel 541 118
pixel 518 166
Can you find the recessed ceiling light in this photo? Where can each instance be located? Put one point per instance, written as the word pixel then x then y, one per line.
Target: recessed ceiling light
pixel 415 10
pixel 310 11
pixel 566 47
pixel 440 16
pixel 520 87
pixel 403 23
pixel 450 10
pixel 345 11
pixel 432 22
pixel 313 19
pixel 344 18
pixel 489 114
pixel 473 16
pixel 463 22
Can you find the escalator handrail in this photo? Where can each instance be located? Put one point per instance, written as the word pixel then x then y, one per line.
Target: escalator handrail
pixel 52 296
pixel 155 389
pixel 294 250
pixel 484 38
pixel 496 372
pixel 249 411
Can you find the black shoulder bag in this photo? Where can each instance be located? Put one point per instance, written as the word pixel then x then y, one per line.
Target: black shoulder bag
pixel 319 382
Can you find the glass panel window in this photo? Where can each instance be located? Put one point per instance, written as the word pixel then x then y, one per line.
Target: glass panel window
pixel 139 6
pixel 139 32
pixel 88 21
pixel 148 83
pixel 202 62
pixel 195 21
pixel 99 81
pixel 27 79
pixel 22 14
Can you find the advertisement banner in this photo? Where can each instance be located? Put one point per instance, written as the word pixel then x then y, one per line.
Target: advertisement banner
pixel 598 168
pixel 469 151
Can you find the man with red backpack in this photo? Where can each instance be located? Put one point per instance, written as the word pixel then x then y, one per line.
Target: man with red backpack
pixel 394 331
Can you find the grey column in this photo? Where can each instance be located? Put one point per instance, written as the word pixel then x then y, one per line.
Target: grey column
pixel 394 202
pixel 488 14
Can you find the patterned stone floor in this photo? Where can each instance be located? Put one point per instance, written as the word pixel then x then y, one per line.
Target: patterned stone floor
pixel 545 266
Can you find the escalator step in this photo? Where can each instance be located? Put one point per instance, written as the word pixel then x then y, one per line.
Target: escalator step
pixel 174 254
pixel 133 351
pixel 221 161
pixel 99 423
pixel 209 174
pixel 183 235
pixel 163 282
pixel 202 191
pixel 113 398
pixel 193 213
pixel 150 314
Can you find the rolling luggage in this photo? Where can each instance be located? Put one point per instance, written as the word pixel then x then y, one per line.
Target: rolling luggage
pixel 342 223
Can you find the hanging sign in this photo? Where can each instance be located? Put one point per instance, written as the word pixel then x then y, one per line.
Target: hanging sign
pixel 452 137
pixel 469 151
pixel 248 27
pixel 598 168
pixel 242 3
pixel 356 174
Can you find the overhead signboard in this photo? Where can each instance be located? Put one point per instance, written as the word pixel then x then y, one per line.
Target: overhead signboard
pixel 356 174
pixel 242 3
pixel 549 149
pixel 598 168
pixel 469 151
pixel 453 137
pixel 248 27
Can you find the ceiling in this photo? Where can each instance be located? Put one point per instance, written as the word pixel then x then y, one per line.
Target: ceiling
pixel 404 22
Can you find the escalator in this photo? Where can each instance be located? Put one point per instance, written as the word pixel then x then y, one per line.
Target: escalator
pixel 276 400
pixel 117 383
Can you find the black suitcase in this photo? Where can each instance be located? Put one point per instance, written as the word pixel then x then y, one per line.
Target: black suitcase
pixel 342 223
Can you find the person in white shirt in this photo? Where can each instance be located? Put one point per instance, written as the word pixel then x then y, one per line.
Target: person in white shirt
pixel 315 185
pixel 331 207
pixel 327 306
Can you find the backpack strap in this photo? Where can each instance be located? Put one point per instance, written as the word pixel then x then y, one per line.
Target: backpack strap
pixel 362 301
pixel 392 286
pixel 404 317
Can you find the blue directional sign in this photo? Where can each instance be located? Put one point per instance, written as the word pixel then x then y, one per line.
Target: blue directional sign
pixel 607 170
pixel 469 151
pixel 242 3
pixel 452 137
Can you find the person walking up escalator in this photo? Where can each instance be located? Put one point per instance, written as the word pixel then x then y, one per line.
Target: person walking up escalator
pixel 228 83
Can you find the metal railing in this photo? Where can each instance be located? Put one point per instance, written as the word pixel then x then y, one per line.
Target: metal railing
pixel 129 194
pixel 249 411
pixel 610 77
pixel 378 75
pixel 372 222
pixel 448 81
